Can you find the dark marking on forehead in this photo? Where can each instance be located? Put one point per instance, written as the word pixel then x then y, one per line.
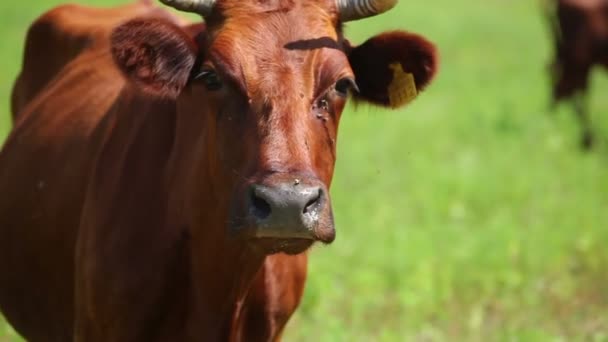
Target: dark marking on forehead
pixel 273 55
pixel 312 44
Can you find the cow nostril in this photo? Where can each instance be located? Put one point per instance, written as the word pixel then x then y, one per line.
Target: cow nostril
pixel 259 206
pixel 313 203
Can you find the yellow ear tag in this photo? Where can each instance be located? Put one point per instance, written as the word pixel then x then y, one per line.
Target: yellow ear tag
pixel 402 89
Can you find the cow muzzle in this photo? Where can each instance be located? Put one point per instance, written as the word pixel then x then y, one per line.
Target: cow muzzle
pixel 288 213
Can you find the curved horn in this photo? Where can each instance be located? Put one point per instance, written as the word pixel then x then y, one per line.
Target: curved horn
pixel 359 9
pixel 202 7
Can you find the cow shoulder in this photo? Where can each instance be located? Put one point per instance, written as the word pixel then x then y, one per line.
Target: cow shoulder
pixel 63 33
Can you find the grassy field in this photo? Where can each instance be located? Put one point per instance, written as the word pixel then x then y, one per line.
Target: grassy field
pixel 469 216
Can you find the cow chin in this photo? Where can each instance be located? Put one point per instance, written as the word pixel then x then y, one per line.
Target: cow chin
pixel 287 246
pixel 286 240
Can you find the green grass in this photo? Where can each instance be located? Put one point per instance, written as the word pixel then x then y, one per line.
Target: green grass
pixel 469 216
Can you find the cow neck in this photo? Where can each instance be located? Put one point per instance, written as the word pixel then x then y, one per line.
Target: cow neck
pixel 222 267
pixel 126 211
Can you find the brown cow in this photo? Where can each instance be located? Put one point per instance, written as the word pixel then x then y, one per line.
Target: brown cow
pixel 580 32
pixel 163 182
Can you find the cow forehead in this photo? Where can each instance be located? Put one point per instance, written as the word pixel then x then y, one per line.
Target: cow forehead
pixel 241 8
pixel 256 31
pixel 273 49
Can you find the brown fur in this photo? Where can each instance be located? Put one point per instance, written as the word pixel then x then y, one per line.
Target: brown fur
pixel 580 32
pixel 135 53
pixel 62 34
pixel 128 178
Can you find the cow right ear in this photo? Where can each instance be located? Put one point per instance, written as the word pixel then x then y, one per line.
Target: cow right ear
pixel 155 54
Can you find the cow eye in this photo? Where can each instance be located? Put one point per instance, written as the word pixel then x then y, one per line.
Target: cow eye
pixel 344 85
pixel 210 78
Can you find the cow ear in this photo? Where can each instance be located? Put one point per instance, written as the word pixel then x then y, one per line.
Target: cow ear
pixel 392 68
pixel 155 54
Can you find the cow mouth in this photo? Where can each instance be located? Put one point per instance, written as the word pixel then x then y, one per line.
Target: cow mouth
pixel 287 244
pixel 278 245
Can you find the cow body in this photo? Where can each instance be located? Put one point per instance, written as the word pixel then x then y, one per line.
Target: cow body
pixel 131 214
pixel 580 32
pixel 49 209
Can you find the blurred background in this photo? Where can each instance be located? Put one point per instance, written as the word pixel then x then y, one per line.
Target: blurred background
pixel 470 215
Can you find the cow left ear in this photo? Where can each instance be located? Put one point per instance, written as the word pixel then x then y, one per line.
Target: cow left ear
pixel 155 54
pixel 392 68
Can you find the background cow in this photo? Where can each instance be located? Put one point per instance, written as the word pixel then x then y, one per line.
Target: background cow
pixel 155 168
pixel 580 32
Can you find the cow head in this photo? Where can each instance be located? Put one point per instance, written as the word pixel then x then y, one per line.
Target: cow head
pixel 262 89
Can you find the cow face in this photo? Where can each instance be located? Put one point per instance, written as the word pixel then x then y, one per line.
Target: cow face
pixel 271 80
